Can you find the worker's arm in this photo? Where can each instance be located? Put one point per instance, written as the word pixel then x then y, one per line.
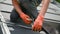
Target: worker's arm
pixel 25 17
pixel 45 5
pixel 16 6
pixel 37 26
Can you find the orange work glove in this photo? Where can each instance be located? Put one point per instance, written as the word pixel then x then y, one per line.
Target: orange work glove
pixel 37 26
pixel 26 18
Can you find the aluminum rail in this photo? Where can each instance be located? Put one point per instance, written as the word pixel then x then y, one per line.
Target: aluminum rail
pixel 3 25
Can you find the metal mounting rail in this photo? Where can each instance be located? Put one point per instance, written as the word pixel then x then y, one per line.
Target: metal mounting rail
pixel 3 25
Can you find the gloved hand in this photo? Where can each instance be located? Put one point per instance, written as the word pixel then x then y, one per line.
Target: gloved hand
pixel 26 18
pixel 37 26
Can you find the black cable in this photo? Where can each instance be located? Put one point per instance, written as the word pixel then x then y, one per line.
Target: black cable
pixel 25 27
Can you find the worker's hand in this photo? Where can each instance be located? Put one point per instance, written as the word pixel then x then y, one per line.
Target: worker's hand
pixel 26 18
pixel 37 26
